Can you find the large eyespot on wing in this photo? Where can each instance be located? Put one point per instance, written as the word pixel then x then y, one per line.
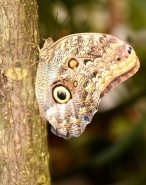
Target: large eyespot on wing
pixel 61 94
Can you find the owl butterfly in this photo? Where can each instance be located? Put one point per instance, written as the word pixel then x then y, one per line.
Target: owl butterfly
pixel 74 73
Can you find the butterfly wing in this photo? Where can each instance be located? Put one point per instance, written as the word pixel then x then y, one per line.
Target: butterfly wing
pixel 74 73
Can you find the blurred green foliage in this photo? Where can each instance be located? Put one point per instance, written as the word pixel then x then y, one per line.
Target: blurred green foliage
pixel 112 149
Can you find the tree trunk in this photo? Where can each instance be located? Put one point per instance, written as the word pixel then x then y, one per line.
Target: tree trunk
pixel 23 136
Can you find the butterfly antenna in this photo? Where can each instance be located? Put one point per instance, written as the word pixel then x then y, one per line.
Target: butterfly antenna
pixel 55 25
pixel 61 25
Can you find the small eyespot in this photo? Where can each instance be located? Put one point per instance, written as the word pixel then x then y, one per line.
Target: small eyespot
pixel 61 94
pixel 73 63
pixel 129 51
pixel 94 73
pixel 118 58
pixel 75 83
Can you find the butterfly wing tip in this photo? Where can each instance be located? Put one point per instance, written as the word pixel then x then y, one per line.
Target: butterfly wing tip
pixel 67 136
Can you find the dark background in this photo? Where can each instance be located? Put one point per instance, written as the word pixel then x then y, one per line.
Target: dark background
pixel 112 150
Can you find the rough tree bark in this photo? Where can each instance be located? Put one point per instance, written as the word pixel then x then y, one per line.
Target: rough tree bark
pixel 23 136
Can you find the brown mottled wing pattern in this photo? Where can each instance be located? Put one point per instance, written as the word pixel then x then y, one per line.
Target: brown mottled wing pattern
pixel 88 65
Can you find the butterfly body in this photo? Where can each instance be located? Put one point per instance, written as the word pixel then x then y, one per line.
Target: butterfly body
pixel 74 73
